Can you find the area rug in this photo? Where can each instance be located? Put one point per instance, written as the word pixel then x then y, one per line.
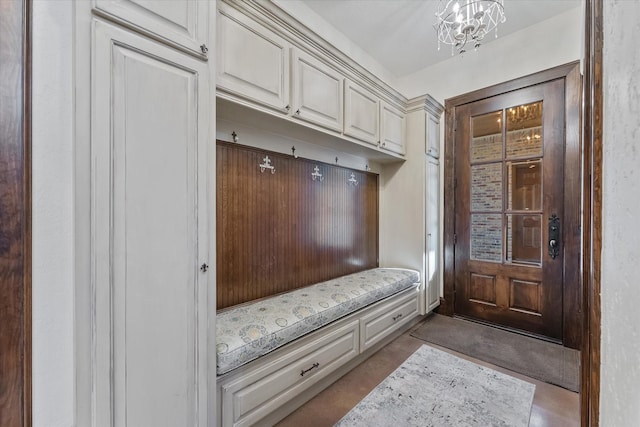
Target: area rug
pixel 434 388
pixel 545 361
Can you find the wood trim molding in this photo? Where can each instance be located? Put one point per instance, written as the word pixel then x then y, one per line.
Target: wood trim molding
pixel 592 219
pixel 15 213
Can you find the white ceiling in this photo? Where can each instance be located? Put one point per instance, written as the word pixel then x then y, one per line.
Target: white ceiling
pixel 399 34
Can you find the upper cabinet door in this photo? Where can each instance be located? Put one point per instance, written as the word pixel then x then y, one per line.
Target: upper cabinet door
pixel 361 114
pixel 317 92
pixel 433 136
pixel 183 24
pixel 392 129
pixel 253 62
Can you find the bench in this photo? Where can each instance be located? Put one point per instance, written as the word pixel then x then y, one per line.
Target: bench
pixel 249 331
pixel 275 354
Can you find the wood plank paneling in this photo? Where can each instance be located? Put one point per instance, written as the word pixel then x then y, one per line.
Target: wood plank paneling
pixel 15 212
pixel 284 230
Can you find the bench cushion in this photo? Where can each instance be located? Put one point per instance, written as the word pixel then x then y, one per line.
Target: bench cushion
pixel 246 332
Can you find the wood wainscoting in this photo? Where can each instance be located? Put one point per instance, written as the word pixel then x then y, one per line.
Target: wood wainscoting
pixel 289 224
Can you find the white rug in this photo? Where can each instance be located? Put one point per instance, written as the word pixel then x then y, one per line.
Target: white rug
pixel 434 388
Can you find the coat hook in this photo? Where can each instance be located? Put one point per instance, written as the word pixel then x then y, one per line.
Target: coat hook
pixel 367 168
pixel 234 135
pixel 336 159
pixel 293 152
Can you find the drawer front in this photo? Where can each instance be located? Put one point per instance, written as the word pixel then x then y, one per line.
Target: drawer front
pixel 386 319
pixel 250 398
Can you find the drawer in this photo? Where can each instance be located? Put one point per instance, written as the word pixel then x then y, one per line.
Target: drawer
pixel 387 318
pixel 251 397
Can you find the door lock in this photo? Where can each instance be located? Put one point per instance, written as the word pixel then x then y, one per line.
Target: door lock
pixel 554 236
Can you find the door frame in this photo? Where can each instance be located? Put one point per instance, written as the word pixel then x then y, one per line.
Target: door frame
pixel 571 299
pixel 15 213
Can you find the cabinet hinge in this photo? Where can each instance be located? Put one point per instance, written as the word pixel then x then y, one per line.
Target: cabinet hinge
pixel 455 183
pixel 455 239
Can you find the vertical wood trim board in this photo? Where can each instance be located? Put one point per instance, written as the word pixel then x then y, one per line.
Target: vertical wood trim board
pixel 284 230
pixel 15 213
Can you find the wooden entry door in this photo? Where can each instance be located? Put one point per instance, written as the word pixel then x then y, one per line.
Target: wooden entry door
pixel 509 157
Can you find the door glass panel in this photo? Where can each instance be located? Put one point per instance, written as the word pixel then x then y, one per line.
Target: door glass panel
pixel 486 142
pixel 524 183
pixel 486 237
pixel 524 238
pixel 486 187
pixel 524 130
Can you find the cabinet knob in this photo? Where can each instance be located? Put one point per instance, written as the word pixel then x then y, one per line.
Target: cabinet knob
pixel 288 107
pixel 298 112
pixel 204 48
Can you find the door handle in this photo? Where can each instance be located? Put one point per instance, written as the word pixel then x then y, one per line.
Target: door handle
pixel 554 236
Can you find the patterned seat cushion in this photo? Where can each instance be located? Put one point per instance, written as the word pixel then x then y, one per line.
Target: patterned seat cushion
pixel 249 331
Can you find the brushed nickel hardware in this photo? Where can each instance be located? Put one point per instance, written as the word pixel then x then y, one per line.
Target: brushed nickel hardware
pixel 316 175
pixel 267 165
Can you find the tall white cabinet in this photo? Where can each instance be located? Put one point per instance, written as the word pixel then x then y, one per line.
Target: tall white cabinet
pixel 410 202
pixel 150 347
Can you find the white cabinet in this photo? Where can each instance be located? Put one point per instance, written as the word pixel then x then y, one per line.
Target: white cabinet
pixel 254 395
pixel 392 128
pixel 317 92
pixel 252 61
pixel 433 136
pixel 184 24
pixel 151 194
pixel 432 245
pixel 387 318
pixel 361 113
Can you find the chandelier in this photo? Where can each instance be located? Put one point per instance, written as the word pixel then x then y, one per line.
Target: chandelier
pixel 464 21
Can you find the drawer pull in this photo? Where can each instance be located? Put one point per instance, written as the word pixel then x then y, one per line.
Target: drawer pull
pixel 304 371
pixel 394 318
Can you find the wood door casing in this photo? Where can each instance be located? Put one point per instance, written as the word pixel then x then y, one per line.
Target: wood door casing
pixel 573 192
pixel 522 296
pixel 15 213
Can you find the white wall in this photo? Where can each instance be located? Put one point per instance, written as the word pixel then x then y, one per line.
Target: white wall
pixel 620 368
pixel 53 252
pixel 553 42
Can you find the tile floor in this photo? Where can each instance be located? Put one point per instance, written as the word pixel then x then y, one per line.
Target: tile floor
pixel 552 406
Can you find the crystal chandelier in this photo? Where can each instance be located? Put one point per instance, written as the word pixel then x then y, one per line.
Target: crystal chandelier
pixel 462 21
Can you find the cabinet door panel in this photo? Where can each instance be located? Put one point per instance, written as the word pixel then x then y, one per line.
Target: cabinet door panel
pixel 433 136
pixel 149 187
pixel 317 92
pixel 433 232
pixel 253 62
pixel 183 23
pixel 361 113
pixel 392 129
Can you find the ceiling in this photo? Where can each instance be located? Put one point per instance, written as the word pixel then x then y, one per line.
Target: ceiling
pixel 399 34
